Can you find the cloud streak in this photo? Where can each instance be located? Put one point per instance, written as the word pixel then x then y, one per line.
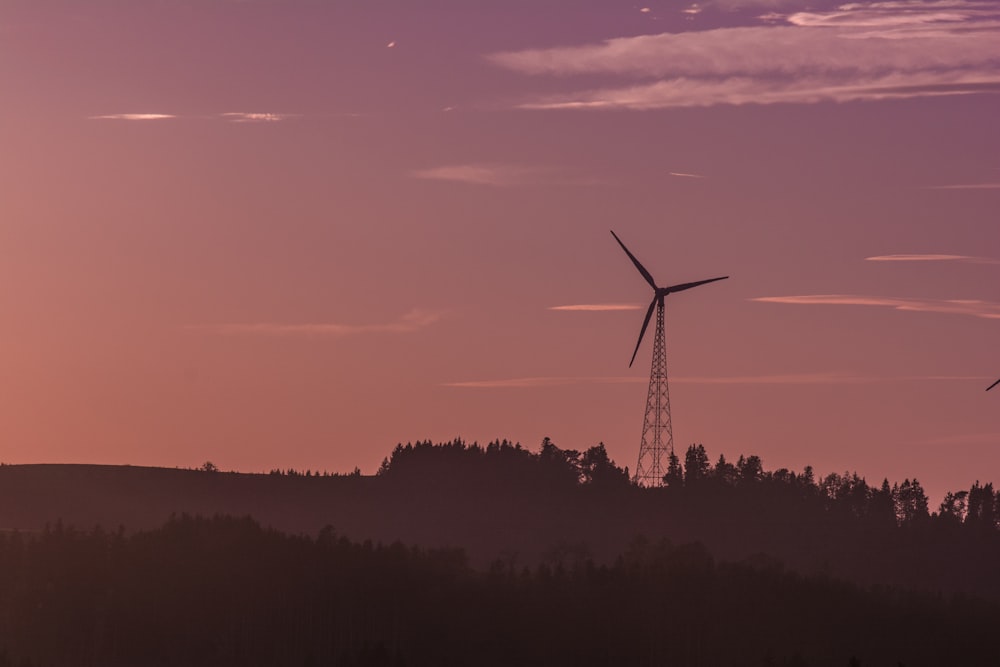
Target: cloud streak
pixel 686 93
pixel 532 382
pixel 476 174
pixel 969 307
pixel 966 186
pixel 965 439
pixel 596 307
pixel 967 259
pixel 134 116
pixel 870 51
pixel 254 117
pixel 231 116
pixel 410 322
pixel 498 175
pixel 819 378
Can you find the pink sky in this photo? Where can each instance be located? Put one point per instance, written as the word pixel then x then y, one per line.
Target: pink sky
pixel 253 232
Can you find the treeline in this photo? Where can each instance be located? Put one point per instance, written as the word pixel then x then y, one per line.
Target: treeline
pixel 838 523
pixel 849 493
pixel 292 472
pixel 501 459
pixel 225 591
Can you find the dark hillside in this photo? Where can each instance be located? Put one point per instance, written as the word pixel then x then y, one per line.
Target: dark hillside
pixel 559 507
pixel 32 496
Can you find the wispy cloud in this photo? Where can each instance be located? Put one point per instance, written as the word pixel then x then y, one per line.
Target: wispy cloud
pixel 681 174
pixel 499 175
pixel 819 378
pixel 933 258
pixel 412 321
pixel 254 117
pixel 698 92
pixel 729 5
pixel 966 186
pixel 134 116
pixel 599 306
pixel 529 382
pixel 476 174
pixel 860 51
pixel 965 439
pixel 830 377
pixel 231 116
pixel 970 307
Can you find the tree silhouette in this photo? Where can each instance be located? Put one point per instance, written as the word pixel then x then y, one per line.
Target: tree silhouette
pixel 910 502
pixel 597 469
pixel 696 465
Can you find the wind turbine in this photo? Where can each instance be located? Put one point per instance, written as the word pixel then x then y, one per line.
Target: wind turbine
pixel 993 385
pixel 649 470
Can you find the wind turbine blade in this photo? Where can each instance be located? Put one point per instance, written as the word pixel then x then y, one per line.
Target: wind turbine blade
pixel 683 286
pixel 993 385
pixel 642 332
pixel 642 269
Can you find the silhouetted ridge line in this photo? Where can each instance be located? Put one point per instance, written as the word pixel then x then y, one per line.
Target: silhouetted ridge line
pixel 530 507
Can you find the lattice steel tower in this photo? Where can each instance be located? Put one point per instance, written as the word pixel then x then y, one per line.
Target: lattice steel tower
pixel 657 428
pixel 657 431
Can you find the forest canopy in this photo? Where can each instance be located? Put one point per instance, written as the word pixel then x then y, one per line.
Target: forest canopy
pixel 225 591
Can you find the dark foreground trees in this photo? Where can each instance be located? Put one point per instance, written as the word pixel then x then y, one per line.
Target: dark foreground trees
pixel 224 591
pixel 504 498
pixel 555 469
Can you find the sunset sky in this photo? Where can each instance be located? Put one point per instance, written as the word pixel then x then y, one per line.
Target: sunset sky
pixel 274 233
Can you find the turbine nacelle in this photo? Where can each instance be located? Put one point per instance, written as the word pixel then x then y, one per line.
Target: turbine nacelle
pixel 658 292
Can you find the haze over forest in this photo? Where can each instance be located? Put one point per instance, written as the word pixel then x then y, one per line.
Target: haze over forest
pixel 454 546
